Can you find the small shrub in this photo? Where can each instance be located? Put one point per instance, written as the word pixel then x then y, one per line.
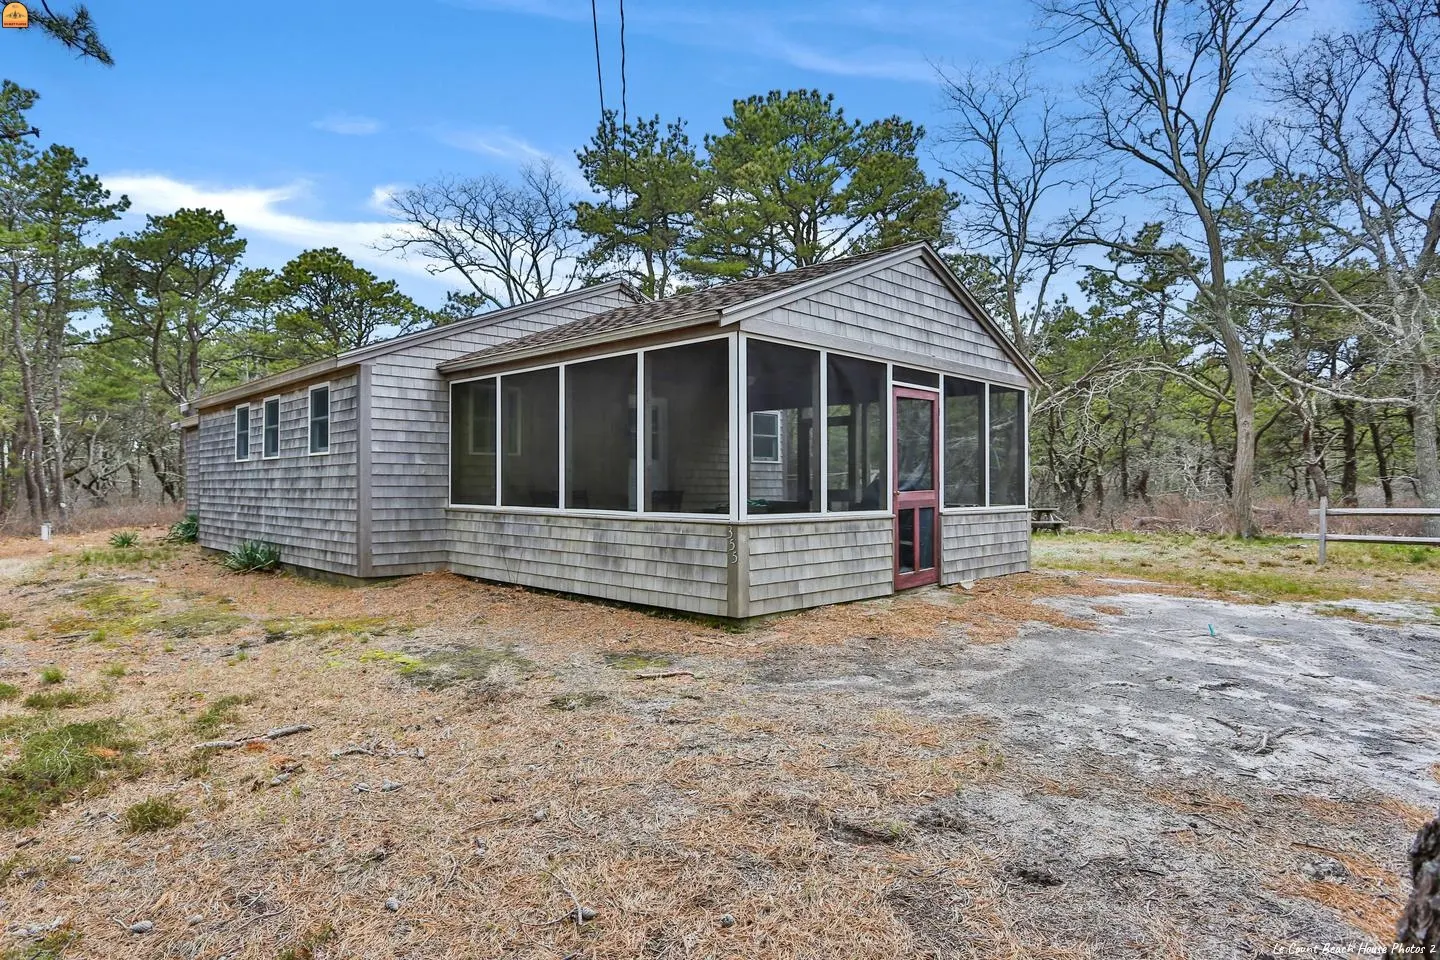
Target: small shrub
pixel 252 556
pixel 8 691
pixel 147 816
pixel 124 538
pixel 51 676
pixel 184 531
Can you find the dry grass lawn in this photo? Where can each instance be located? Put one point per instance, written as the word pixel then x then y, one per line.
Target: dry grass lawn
pixel 493 772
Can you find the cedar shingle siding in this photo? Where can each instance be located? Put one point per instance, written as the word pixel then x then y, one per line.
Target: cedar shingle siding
pixel 378 503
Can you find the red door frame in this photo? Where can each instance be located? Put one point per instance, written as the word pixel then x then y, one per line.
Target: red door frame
pixel 916 499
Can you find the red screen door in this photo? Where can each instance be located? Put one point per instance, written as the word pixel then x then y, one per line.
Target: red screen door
pixel 917 501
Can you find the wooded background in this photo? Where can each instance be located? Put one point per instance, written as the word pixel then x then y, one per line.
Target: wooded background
pixel 1220 250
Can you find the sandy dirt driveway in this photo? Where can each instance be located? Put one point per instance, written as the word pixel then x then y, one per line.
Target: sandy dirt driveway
pixel 1058 766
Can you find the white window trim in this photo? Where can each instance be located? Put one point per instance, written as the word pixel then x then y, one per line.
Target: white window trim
pixel 278 410
pixel 310 418
pixel 235 432
pixel 774 415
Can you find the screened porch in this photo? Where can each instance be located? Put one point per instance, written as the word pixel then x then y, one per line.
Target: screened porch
pixel 730 433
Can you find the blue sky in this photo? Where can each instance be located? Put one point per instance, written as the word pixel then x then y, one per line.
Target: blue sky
pixel 296 119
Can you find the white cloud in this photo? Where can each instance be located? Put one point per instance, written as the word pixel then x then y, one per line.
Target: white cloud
pixel 346 124
pixel 505 146
pixel 880 63
pixel 259 213
pixel 492 143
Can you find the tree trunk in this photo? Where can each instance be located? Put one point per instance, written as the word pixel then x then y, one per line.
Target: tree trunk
pixel 1382 464
pixel 1427 457
pixel 1350 469
pixel 1419 926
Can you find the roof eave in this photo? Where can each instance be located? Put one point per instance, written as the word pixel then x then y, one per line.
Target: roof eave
pixel 352 358
pixel 619 335
pixel 266 384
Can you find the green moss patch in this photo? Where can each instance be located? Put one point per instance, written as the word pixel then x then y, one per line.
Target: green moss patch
pixel 636 660
pixel 295 627
pixel 197 621
pixel 153 814
pixel 218 715
pixel 578 701
pixel 447 667
pixel 59 763
pixel 66 699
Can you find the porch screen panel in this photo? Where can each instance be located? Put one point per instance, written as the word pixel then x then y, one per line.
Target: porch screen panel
pixel 1007 447
pixel 472 443
pixel 785 380
pixel 964 443
pixel 530 439
pixel 687 428
pixel 856 447
pixel 600 434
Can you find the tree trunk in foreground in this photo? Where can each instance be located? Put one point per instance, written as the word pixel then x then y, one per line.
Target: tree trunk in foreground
pixel 1419 926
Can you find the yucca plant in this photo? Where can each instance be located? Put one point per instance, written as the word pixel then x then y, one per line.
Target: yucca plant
pixel 185 531
pixel 252 555
pixel 124 538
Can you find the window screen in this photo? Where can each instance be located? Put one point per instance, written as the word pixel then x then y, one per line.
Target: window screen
pixel 855 475
pixel 1007 447
pixel 472 443
pixel 687 428
pixel 785 381
pixel 600 434
pixel 530 436
pixel 964 443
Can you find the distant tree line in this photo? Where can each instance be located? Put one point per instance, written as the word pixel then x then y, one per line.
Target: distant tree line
pixel 1220 252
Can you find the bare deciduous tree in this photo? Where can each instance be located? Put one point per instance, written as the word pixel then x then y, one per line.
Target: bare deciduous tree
pixel 510 242
pixel 1357 152
pixel 1165 73
pixel 1020 176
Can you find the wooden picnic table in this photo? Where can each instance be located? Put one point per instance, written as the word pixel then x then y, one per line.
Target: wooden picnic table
pixel 1047 518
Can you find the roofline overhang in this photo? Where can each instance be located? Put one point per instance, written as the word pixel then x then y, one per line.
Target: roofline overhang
pixel 620 335
pixel 352 358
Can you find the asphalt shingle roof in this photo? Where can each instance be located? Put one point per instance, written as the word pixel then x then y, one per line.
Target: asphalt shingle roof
pixel 697 303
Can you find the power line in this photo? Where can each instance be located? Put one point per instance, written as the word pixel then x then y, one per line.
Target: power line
pixel 624 106
pixel 600 77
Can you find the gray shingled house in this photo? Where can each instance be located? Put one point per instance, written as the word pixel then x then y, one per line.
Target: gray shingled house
pixel 669 453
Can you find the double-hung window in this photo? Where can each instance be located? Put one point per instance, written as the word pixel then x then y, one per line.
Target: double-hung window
pixel 270 432
pixel 242 433
pixel 320 419
pixel 765 436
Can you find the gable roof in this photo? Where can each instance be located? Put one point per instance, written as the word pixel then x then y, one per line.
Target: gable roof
pixel 727 302
pixel 350 358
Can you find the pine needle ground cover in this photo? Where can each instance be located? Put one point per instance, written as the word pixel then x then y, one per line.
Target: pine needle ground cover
pixel 1069 763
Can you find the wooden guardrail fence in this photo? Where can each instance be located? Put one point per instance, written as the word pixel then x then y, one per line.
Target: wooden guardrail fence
pixel 1326 511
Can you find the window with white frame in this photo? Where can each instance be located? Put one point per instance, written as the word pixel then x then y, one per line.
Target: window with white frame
pixel 320 419
pixel 765 436
pixel 270 429
pixel 242 432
